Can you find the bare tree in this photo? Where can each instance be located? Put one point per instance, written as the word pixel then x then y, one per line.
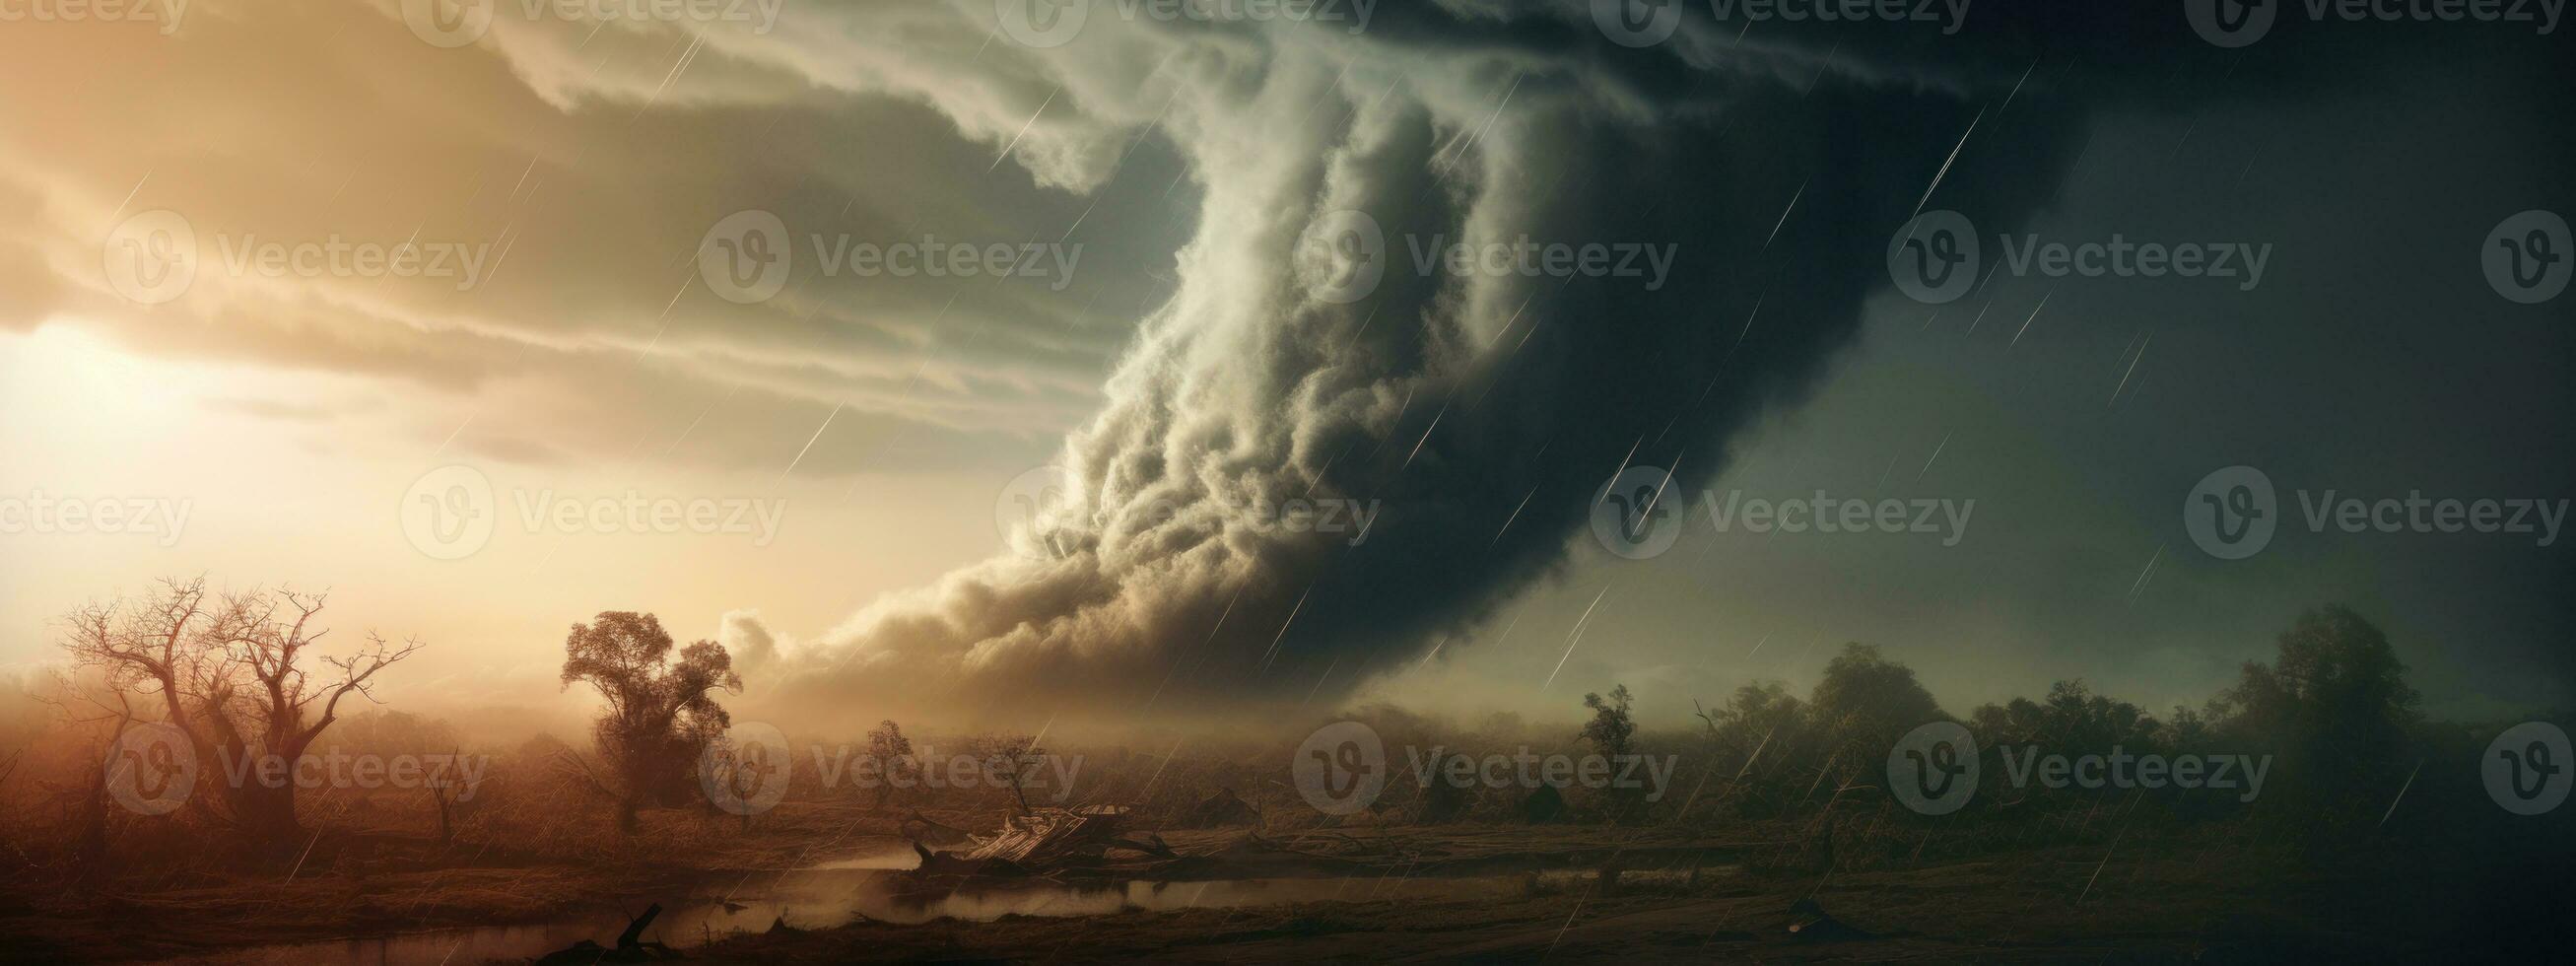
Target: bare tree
pixel 447 789
pixel 235 674
pixel 1013 756
pixel 112 710
pixel 270 634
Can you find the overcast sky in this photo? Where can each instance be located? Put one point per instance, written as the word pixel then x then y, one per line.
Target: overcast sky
pixel 1167 357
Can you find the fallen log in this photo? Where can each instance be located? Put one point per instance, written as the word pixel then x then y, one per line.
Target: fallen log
pixel 631 947
pixel 634 934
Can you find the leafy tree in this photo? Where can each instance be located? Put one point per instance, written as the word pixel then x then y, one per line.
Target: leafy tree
pixel 1756 737
pixel 2333 703
pixel 2071 720
pixel 1864 703
pixel 661 711
pixel 1612 732
pixel 892 752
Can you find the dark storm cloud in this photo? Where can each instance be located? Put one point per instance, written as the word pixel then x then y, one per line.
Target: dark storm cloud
pixel 1454 404
pixel 1458 404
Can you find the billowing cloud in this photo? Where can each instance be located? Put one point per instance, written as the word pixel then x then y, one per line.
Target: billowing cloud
pixel 1468 416
pixel 1214 364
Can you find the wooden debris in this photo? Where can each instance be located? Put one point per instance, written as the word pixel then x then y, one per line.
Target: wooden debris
pixel 631 947
pixel 1045 838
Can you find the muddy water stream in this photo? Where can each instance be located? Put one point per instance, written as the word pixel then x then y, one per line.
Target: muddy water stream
pixel 873 885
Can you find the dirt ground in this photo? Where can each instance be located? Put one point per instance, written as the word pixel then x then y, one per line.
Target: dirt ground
pixel 1972 912
pixel 354 884
pixel 2192 899
pixel 2212 894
